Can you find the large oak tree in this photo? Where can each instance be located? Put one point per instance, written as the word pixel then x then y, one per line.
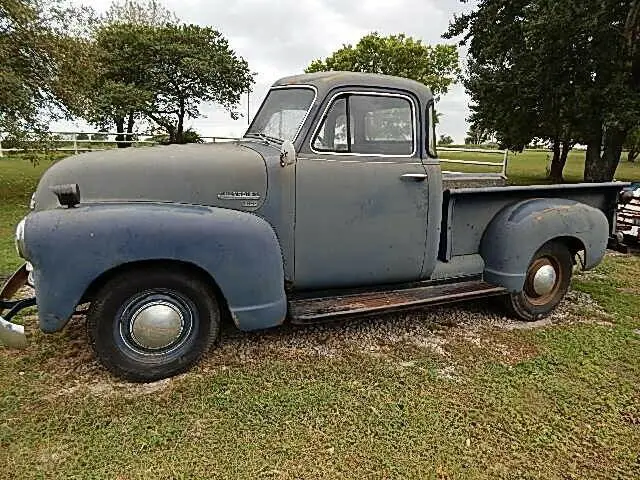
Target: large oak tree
pixel 564 72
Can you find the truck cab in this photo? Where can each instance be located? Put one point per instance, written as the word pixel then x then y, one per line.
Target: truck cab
pixel 366 174
pixel 331 206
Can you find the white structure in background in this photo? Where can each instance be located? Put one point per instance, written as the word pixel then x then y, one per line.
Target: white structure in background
pixel 78 142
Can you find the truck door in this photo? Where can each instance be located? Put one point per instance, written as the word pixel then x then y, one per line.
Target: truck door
pixel 361 194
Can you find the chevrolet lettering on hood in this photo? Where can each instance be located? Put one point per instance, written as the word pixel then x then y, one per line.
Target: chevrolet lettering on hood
pixel 238 196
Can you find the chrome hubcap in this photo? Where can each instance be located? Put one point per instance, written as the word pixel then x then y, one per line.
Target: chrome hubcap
pixel 544 280
pixel 157 325
pixel 156 322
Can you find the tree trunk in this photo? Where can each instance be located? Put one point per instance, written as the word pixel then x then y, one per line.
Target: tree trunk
pixel 566 148
pixel 130 124
pixel 180 129
pixel 171 130
pixel 555 174
pixel 613 142
pixel 120 129
pixel 633 154
pixel 592 163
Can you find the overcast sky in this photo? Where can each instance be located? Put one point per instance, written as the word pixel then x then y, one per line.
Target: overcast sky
pixel 281 37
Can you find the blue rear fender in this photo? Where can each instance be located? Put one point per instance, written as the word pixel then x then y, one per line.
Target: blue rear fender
pixel 518 231
pixel 72 248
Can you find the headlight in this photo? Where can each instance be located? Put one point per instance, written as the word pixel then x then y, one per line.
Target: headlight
pixel 20 237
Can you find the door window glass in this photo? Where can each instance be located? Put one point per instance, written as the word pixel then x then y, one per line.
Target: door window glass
pixel 378 125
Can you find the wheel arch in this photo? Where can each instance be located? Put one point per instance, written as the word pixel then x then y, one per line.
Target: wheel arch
pixel 187 267
pixel 574 244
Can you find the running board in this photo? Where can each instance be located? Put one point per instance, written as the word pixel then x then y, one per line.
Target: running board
pixel 319 309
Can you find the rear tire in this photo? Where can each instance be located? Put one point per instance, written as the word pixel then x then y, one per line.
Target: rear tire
pixel 153 323
pixel 547 282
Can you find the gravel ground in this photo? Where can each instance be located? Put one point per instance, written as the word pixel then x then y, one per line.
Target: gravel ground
pixel 389 337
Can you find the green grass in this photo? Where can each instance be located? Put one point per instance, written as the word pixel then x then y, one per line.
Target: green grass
pixel 561 401
pixel 18 180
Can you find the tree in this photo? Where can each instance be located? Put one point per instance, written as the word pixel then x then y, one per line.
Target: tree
pixel 435 66
pixel 115 91
pixel 477 135
pixel 137 12
pixel 562 72
pixel 34 39
pixel 190 136
pixel 163 73
pixel 188 65
pixel 445 140
pixel 632 144
pixel 118 92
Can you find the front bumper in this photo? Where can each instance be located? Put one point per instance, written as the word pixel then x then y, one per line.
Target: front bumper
pixel 12 334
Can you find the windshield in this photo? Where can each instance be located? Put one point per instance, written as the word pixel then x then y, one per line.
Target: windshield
pixel 282 113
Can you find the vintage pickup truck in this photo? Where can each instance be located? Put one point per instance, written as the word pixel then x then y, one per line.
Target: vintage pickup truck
pixel 331 206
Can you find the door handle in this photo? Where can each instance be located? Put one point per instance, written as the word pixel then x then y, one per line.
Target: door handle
pixel 416 177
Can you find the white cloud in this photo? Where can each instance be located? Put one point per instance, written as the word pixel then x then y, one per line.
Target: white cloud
pixel 281 37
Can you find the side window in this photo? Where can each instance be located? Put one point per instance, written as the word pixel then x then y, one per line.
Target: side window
pixel 378 125
pixel 384 125
pixel 431 131
pixel 332 136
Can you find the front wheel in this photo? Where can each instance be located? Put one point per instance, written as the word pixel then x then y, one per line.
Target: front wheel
pixel 547 281
pixel 152 324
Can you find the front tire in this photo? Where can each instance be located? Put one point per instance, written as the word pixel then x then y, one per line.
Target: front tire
pixel 547 282
pixel 153 323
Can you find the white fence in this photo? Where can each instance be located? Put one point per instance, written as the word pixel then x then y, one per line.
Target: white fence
pixel 91 141
pixel 78 142
pixel 502 165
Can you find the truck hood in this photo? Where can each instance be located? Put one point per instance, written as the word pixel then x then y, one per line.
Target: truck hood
pixel 228 175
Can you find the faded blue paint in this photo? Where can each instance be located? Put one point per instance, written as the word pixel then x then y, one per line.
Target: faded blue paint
pixel 519 230
pixel 70 248
pixel 315 224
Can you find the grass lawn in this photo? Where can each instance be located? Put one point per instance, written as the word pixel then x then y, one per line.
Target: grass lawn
pixel 529 167
pixel 18 180
pixel 449 393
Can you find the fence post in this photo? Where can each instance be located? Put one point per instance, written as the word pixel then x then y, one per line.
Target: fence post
pixel 505 163
pixel 75 143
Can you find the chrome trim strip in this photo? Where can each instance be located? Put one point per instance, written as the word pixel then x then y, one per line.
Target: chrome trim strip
pixel 374 94
pixel 333 160
pixel 304 119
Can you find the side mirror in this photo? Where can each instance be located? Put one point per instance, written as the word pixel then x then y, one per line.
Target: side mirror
pixel 287 154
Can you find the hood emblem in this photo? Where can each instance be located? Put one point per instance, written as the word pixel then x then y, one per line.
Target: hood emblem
pixel 239 196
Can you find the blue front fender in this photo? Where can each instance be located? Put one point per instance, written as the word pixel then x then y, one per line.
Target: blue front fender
pixel 71 248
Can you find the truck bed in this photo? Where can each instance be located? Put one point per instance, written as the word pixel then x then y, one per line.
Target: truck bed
pixel 468 211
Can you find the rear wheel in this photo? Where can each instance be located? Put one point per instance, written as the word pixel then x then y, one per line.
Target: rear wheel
pixel 546 284
pixel 151 324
